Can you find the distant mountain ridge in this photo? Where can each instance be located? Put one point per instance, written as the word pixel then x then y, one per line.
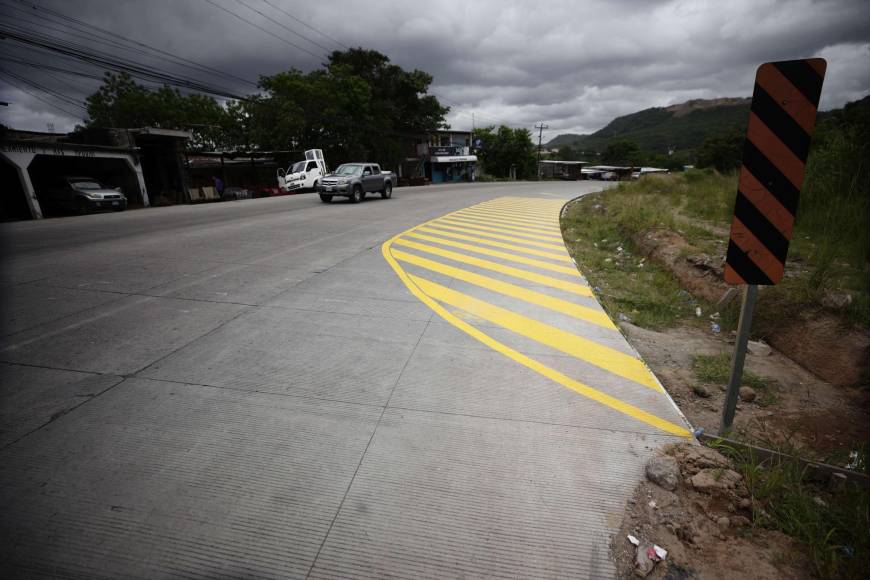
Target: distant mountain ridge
pixel 680 127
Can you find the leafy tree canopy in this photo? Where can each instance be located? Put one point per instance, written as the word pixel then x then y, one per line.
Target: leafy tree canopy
pixel 358 106
pixel 622 152
pixel 722 153
pixel 504 147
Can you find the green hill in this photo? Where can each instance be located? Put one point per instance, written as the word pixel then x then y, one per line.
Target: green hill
pixel 681 127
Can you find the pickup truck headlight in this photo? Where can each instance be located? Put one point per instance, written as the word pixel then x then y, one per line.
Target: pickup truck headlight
pixel 342 181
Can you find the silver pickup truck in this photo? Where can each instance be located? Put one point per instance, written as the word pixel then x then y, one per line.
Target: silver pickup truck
pixel 354 181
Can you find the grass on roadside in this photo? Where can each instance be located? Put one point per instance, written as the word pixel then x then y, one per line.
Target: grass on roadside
pixel 716 370
pixel 629 286
pixel 831 526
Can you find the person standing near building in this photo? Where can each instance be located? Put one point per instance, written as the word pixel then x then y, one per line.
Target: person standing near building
pixel 218 185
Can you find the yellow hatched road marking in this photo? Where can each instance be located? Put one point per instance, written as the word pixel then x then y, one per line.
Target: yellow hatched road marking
pixel 463 229
pixel 500 268
pixel 551 226
pixel 530 363
pixel 611 360
pixel 546 211
pixel 524 202
pixel 548 232
pixel 556 304
pixel 502 229
pixel 497 254
pixel 531 214
pixel 545 214
pixel 562 257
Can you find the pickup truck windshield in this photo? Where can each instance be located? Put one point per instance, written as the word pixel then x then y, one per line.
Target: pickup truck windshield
pixel 297 167
pixel 349 169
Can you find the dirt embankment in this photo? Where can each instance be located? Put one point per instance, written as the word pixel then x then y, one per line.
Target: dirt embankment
pixel 700 511
pixel 818 341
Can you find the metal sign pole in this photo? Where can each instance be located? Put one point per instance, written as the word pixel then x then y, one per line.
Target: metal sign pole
pixel 743 326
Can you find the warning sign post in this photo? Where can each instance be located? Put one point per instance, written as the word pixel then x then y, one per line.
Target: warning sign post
pixel 781 121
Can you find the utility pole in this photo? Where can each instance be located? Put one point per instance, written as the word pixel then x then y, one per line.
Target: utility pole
pixel 540 129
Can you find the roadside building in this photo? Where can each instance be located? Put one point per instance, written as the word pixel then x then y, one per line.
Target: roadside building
pixel 607 172
pixel 441 156
pixel 145 164
pixel 556 169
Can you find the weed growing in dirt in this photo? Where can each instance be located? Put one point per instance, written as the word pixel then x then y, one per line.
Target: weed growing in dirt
pixel 716 369
pixel 831 526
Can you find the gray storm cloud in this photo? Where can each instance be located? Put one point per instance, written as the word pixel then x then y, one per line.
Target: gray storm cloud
pixel 574 65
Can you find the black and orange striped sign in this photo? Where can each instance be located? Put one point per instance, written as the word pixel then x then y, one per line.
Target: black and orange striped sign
pixel 781 121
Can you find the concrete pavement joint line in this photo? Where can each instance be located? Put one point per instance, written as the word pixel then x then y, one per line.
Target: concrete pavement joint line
pixel 365 451
pixel 624 365
pixel 556 304
pixel 66 412
pixel 656 432
pixel 542 279
pixel 259 392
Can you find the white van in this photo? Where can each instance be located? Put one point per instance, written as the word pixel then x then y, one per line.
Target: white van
pixel 303 175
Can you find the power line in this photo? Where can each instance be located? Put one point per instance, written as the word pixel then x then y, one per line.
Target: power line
pixel 66 20
pixel 257 26
pixel 110 62
pixel 315 43
pixel 320 32
pixel 36 96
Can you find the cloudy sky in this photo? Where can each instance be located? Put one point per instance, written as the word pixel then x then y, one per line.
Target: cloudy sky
pixel 573 64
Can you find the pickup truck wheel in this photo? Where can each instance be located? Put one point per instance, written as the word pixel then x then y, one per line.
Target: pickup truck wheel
pixel 387 193
pixel 356 195
pixel 325 198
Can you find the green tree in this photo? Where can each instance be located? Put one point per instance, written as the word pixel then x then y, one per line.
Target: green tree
pixel 723 153
pixel 622 152
pixel 359 106
pixel 504 147
pixel 120 102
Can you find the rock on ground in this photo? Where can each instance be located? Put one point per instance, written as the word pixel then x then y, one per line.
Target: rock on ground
pixel 664 472
pixel 716 480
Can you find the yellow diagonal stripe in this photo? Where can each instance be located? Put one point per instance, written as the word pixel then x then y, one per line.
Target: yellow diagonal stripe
pixel 561 257
pixel 497 254
pixel 516 213
pixel 500 268
pixel 536 207
pixel 514 231
pixel 552 303
pixel 517 208
pixel 611 360
pixel 500 224
pixel 462 229
pixel 550 226
pixel 530 363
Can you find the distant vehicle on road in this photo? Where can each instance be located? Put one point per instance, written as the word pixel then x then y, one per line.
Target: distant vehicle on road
pixel 80 195
pixel 303 175
pixel 355 180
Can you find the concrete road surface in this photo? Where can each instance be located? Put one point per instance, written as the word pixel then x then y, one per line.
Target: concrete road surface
pixel 417 387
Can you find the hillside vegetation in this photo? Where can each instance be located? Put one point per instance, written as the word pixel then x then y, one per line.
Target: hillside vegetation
pixel 680 127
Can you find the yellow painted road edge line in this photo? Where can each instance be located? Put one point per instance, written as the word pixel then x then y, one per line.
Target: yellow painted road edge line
pixel 528 362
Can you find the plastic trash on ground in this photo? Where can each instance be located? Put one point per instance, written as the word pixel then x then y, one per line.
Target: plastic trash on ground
pixel 646 556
